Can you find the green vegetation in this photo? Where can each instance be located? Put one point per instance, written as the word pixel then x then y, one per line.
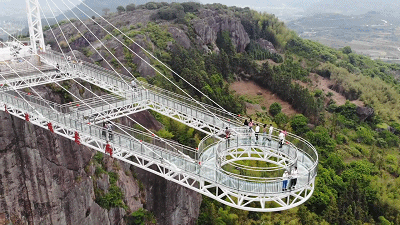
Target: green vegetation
pixel 258 53
pixel 120 9
pixel 158 35
pixel 130 7
pixel 65 96
pixel 275 108
pixel 113 197
pixel 178 132
pixel 140 217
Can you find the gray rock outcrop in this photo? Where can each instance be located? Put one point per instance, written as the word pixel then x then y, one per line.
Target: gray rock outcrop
pixel 364 112
pixel 170 202
pixel 180 37
pixel 210 23
pixel 266 45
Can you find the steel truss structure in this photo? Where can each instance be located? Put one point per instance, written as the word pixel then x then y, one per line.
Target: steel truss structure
pixel 34 80
pixel 202 170
pixel 203 173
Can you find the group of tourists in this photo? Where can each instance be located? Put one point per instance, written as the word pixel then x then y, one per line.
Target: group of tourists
pixel 293 179
pixel 266 137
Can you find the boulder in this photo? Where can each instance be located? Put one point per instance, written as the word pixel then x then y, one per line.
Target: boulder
pixel 266 45
pixel 364 112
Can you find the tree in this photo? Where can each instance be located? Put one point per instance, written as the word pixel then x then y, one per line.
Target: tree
pixel 120 9
pixel 130 7
pixel 347 50
pixel 151 6
pixel 275 108
pixel 105 11
pixel 299 124
pixel 281 119
pixel 93 17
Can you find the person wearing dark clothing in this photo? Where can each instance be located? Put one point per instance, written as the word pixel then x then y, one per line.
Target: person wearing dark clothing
pixel 104 131
pixel 227 135
pixel 293 180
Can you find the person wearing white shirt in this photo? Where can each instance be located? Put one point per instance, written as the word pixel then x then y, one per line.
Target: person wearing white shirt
pixel 285 177
pixel 271 129
pixel 293 180
pixel 281 139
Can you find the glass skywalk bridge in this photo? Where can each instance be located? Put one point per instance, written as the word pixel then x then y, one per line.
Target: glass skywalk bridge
pixel 204 169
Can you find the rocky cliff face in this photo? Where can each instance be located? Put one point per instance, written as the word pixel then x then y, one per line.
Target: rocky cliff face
pixel 172 203
pixel 39 178
pixel 211 22
pixel 200 32
pixel 47 179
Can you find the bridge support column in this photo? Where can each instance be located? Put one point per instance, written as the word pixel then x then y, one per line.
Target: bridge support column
pixel 35 25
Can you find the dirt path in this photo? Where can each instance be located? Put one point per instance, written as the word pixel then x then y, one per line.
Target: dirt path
pixel 260 96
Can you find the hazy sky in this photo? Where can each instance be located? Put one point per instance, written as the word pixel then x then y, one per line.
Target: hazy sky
pixel 18 7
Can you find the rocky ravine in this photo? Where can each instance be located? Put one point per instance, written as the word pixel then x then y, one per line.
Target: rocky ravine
pixel 43 180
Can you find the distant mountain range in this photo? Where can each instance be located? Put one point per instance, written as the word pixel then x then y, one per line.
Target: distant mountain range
pixel 375 34
pixel 353 7
pixel 99 5
pixel 333 20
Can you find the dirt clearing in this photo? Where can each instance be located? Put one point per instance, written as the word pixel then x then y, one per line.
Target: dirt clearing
pixel 259 97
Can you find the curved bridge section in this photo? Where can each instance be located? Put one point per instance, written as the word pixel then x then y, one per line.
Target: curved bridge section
pixel 258 188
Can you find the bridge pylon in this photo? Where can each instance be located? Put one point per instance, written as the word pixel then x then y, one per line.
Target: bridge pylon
pixel 35 26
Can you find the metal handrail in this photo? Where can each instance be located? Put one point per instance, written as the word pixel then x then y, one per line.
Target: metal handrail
pixel 146 150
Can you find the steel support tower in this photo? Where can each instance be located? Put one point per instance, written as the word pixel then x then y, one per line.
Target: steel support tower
pixel 35 26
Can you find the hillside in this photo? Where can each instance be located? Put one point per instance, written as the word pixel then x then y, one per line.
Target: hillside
pixel 212 46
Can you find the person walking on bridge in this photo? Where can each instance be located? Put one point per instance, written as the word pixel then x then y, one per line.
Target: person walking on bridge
pixel 109 129
pixel 293 180
pixel 133 84
pixel 227 136
pixel 264 135
pixel 285 177
pixel 251 125
pixel 281 139
pixel 271 129
pixel 257 132
pixel 104 131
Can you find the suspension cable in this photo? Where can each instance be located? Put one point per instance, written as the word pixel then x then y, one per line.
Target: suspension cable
pixel 95 93
pixel 152 57
pixel 152 65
